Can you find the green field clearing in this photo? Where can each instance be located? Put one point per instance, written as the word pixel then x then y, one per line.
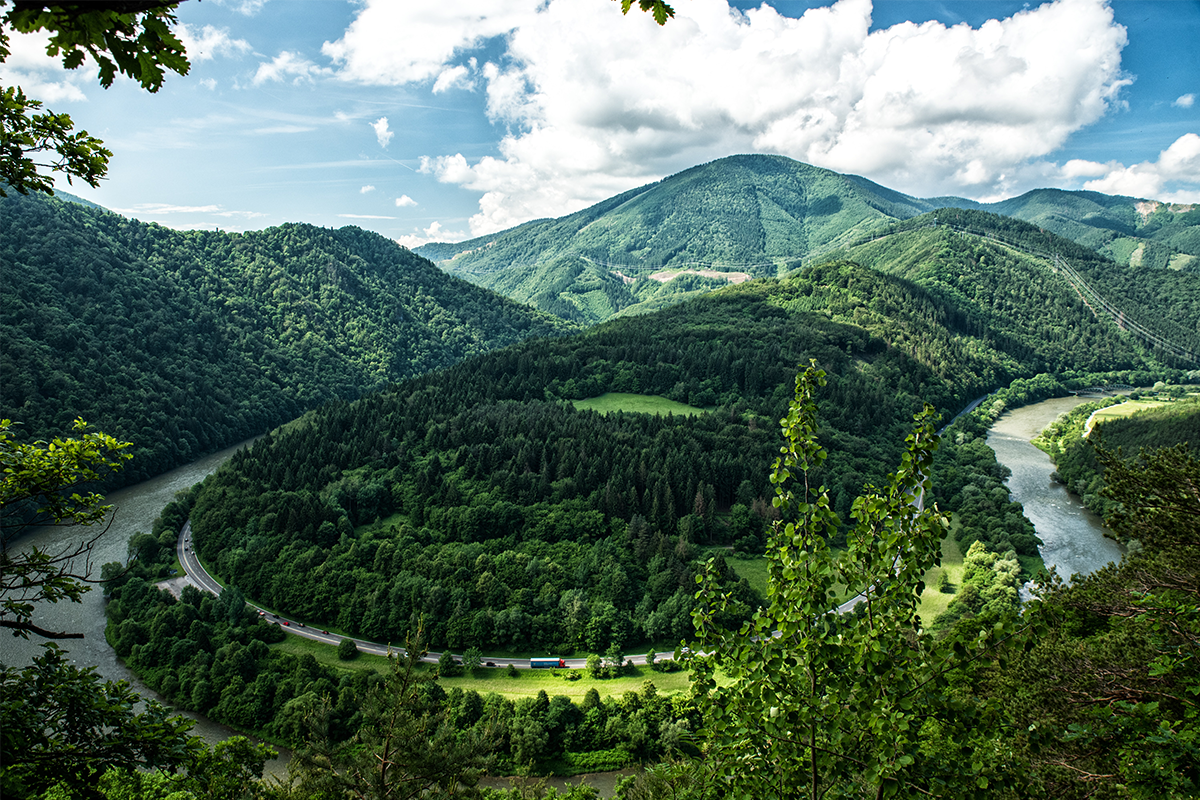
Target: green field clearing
pixel 934 602
pixel 1126 409
pixel 1181 260
pixel 754 570
pixel 527 683
pixel 638 403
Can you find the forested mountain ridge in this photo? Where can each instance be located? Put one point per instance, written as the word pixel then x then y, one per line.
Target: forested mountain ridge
pixel 1131 231
pixel 756 215
pixel 740 209
pixel 422 489
pixel 186 342
pixel 978 260
pixel 759 213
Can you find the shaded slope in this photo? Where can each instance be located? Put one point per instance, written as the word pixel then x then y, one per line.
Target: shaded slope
pixel 980 272
pixel 187 342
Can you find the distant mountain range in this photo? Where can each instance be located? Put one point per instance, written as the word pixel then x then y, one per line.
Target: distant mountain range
pixel 751 216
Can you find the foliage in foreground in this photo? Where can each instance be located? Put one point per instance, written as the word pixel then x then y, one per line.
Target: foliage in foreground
pixel 135 41
pixel 41 484
pixel 828 704
pixel 70 734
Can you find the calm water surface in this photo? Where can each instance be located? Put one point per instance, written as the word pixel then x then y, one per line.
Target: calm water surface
pixel 1072 537
pixel 136 509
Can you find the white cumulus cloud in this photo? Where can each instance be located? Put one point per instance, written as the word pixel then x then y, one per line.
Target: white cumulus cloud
pixel 40 76
pixel 1185 101
pixel 366 189
pixel 434 233
pixel 380 126
pixel 595 103
pixel 209 42
pixel 403 201
pixel 432 34
pixel 454 77
pixel 1179 164
pixel 288 66
pixel 246 7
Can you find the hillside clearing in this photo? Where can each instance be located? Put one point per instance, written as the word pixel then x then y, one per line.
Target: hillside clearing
pixel 636 403
pixel 667 275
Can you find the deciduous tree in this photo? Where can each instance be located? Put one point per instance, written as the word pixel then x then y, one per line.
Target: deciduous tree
pixel 131 38
pixel 45 483
pixel 827 704
pixel 65 725
pixel 406 746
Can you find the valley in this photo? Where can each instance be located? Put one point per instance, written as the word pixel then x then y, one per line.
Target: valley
pixel 445 469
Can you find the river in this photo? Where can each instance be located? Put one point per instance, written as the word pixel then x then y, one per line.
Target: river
pixel 136 509
pixel 1072 537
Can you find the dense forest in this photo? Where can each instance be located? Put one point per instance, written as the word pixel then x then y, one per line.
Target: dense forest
pixel 212 655
pixel 1085 694
pixel 479 500
pixel 186 342
pixel 979 259
pixel 1138 233
pixel 431 485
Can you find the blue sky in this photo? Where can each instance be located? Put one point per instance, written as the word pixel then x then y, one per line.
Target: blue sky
pixel 441 121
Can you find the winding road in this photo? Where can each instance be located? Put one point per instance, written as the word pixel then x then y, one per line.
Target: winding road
pixel 197 576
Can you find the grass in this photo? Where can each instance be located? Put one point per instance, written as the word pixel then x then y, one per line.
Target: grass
pixel 754 570
pixel 1180 260
pixel 527 683
pixel 934 602
pixel 639 403
pixel 1126 409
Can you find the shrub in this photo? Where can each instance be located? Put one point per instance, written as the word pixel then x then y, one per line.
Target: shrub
pixel 447 666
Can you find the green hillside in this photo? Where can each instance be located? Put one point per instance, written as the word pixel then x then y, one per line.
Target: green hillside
pixel 486 463
pixel 749 214
pixel 482 507
pixel 993 271
pixel 184 343
pixel 760 215
pixel 1131 231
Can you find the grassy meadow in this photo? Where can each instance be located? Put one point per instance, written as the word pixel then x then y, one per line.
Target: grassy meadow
pixel 934 602
pixel 1126 409
pixel 638 403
